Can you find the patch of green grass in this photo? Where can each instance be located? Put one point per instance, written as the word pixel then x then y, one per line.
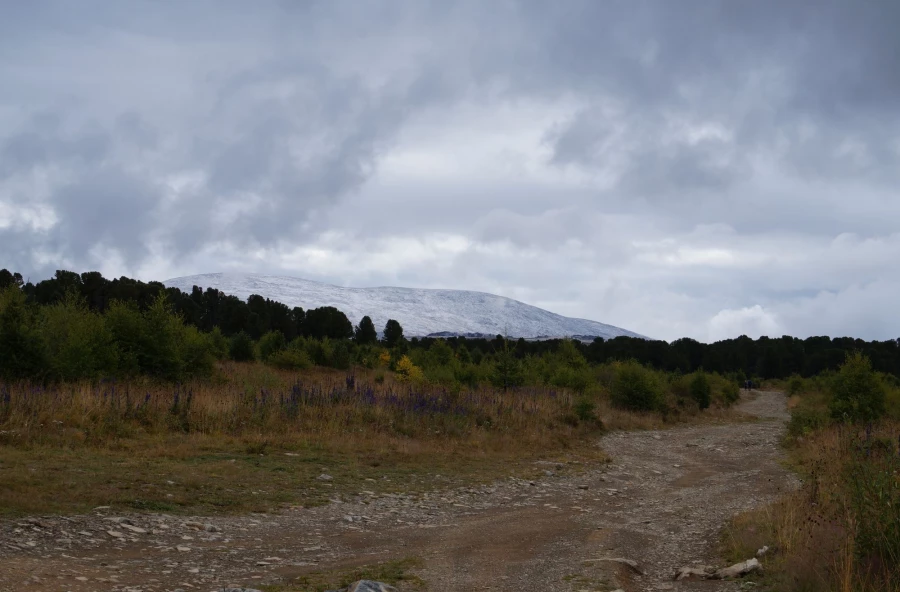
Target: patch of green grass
pixel 151 506
pixel 197 475
pixel 395 573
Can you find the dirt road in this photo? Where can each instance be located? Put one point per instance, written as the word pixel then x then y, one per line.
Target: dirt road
pixel 661 503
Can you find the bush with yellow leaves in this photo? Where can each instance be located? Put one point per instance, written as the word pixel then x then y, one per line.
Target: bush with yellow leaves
pixel 408 372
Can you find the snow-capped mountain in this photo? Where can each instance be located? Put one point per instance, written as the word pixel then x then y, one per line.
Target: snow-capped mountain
pixel 419 312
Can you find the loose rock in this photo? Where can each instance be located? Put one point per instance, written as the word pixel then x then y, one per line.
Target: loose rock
pixel 738 569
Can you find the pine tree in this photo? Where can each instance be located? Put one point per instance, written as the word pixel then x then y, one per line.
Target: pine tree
pixel 507 368
pixel 393 333
pixel 365 333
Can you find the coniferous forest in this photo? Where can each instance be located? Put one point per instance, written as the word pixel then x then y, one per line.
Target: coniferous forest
pixel 207 320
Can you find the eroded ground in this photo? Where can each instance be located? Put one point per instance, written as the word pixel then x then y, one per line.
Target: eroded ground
pixel 661 502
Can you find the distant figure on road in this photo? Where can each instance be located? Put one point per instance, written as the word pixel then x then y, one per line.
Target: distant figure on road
pixel 748 384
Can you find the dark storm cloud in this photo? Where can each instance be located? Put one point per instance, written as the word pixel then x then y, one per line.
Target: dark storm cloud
pixel 43 142
pixel 298 134
pixel 270 119
pixel 797 77
pixel 109 208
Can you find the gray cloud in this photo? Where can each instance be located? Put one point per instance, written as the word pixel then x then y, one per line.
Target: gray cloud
pixel 673 167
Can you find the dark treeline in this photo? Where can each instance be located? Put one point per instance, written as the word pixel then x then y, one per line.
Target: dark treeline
pixel 207 309
pixel 203 309
pixel 764 358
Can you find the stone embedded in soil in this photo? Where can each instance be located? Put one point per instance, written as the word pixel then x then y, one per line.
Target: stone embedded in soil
pixel 711 573
pixel 135 529
pixel 738 569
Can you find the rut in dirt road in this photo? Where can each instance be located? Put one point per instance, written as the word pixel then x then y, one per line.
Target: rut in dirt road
pixel 661 502
pixel 680 486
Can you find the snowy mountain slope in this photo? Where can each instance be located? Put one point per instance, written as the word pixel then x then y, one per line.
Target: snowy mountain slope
pixel 420 312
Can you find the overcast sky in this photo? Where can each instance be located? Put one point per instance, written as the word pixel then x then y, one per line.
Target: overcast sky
pixel 694 168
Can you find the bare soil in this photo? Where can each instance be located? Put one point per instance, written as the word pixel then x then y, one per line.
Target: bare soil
pixel 661 502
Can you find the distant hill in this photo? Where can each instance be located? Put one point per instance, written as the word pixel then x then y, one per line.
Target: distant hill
pixel 421 312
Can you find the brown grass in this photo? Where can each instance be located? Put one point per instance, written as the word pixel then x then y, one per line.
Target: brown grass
pixel 255 438
pixel 814 533
pixel 243 444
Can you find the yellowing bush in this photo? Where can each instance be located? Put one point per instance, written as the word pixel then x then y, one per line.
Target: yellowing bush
pixel 408 372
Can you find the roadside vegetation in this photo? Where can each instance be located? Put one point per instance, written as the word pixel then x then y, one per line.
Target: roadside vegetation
pixel 841 530
pixel 134 407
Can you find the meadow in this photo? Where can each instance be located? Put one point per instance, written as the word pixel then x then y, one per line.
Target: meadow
pixel 252 437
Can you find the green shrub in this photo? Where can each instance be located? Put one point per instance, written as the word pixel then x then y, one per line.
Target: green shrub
pixel 163 332
pixel 892 403
pixel 463 355
pixel 635 387
pixel 320 351
pixel 576 379
pixel 477 356
pixel 366 356
pixel 467 375
pixel 805 421
pixel 290 359
pixel 796 385
pixel 21 350
pixel 156 342
pixel 568 355
pixel 444 375
pixel 218 344
pixel 240 349
pixel 129 332
pixel 341 357
pixel 701 392
pixel 195 352
pixel 857 392
pixel 873 498
pixel 731 392
pixel 584 409
pixel 439 354
pixel 270 343
pixel 507 369
pixel 77 342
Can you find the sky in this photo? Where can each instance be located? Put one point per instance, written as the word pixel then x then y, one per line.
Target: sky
pixel 697 168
